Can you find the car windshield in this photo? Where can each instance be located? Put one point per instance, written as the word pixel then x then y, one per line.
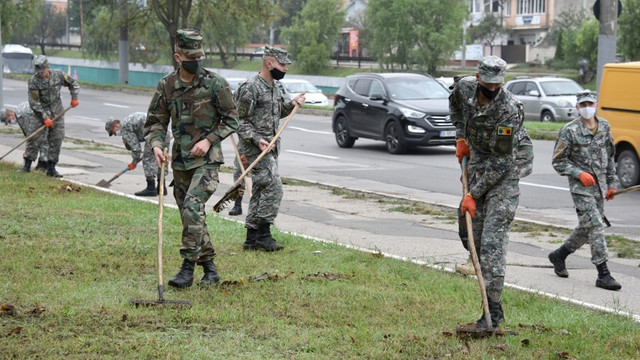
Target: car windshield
pixel 560 88
pixel 301 87
pixel 416 89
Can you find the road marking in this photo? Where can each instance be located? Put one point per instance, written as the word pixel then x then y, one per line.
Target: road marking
pixel 116 105
pixel 311 131
pixel 87 118
pixel 544 186
pixel 312 154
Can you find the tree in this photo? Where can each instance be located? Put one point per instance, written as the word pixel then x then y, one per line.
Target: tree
pixel 487 31
pixel 313 34
pixel 174 15
pixel 18 20
pixel 51 25
pixel 581 44
pixel 629 30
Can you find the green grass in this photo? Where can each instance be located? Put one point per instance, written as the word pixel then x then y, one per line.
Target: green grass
pixel 73 258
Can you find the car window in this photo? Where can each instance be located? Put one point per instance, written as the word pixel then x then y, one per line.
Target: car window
pixel 362 87
pixel 298 87
pixel 560 88
pixel 376 88
pixel 517 88
pixel 416 88
pixel 530 86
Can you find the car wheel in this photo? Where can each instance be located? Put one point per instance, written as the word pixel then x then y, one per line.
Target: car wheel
pixel 628 169
pixel 547 116
pixel 394 138
pixel 343 139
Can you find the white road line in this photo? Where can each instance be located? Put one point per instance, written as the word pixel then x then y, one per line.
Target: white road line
pixel 116 105
pixel 87 118
pixel 311 131
pixel 312 154
pixel 544 186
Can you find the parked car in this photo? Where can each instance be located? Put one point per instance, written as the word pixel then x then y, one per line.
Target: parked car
pixel 292 87
pixel 546 98
pixel 17 59
pixel 234 83
pixel 404 110
pixel 445 81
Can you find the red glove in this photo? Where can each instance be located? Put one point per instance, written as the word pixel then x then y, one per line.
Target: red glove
pixel 131 166
pixel 462 150
pixel 586 179
pixel 469 204
pixel 610 195
pixel 74 102
pixel 48 123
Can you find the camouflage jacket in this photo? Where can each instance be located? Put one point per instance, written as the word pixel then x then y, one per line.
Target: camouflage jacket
pixel 578 149
pixel 260 106
pixel 132 129
pixel 202 109
pixel 26 119
pixel 499 143
pixel 44 95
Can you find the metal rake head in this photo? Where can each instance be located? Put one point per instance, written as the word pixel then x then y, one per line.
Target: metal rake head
pixel 231 195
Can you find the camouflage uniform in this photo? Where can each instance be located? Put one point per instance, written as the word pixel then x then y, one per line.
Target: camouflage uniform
pixel 579 150
pixel 201 109
pixel 501 153
pixel 28 124
pixel 260 106
pixel 44 99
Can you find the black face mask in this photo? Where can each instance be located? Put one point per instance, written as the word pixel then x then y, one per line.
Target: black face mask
pixel 192 67
pixel 277 74
pixel 488 93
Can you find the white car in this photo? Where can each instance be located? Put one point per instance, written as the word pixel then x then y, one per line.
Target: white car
pixel 546 98
pixel 292 87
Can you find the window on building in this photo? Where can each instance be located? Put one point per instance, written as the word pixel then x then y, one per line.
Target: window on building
pixel 502 7
pixel 530 7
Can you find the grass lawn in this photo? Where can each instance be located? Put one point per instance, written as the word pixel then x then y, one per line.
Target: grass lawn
pixel 73 258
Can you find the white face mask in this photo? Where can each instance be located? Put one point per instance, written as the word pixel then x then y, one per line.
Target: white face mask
pixel 587 112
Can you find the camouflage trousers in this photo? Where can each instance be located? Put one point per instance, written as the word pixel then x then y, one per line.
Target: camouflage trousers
pixel 237 172
pixel 494 213
pixel 36 144
pixel 266 192
pixel 590 227
pixel 192 189
pixel 55 136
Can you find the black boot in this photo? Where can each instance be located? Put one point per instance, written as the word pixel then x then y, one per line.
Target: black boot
pixel 184 278
pixel 164 187
pixel 210 274
pixel 496 313
pixel 266 241
pixel 237 207
pixel 250 242
pixel 51 170
pixel 27 166
pixel 150 190
pixel 42 165
pixel 605 280
pixel 557 258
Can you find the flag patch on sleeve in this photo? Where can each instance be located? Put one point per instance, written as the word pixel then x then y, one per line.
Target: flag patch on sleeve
pixel 504 130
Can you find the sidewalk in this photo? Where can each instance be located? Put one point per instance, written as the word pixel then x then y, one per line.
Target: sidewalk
pixel 316 213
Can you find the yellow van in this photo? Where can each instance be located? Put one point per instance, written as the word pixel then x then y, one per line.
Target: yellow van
pixel 619 103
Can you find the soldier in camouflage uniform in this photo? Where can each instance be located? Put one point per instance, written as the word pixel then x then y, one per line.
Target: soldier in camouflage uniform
pixel 260 106
pixel 200 107
pixel 584 153
pixel 28 124
pixel 491 134
pixel 44 99
pixel 132 130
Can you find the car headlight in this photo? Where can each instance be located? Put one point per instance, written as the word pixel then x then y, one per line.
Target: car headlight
pixel 564 103
pixel 411 113
pixel 415 129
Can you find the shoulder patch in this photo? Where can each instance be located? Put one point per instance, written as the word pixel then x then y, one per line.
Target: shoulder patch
pixel 505 130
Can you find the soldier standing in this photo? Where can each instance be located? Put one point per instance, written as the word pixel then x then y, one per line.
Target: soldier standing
pixel 44 99
pixel 584 153
pixel 260 106
pixel 490 132
pixel 132 130
pixel 200 107
pixel 28 124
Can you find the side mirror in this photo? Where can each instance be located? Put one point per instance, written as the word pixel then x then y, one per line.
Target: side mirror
pixel 534 93
pixel 375 97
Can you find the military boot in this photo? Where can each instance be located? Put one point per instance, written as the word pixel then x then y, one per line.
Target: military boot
pixel 42 165
pixel 266 241
pixel 210 274
pixel 466 268
pixel 496 313
pixel 184 278
pixel 51 170
pixel 237 207
pixel 605 280
pixel 557 258
pixel 250 242
pixel 27 166
pixel 150 190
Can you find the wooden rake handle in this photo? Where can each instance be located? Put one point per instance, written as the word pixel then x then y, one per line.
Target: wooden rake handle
pixel 629 189
pixel 235 149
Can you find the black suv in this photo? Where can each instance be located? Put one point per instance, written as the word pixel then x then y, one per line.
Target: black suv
pixel 403 109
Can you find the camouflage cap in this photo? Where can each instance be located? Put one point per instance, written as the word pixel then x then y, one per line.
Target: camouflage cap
pixel 3 116
pixel 190 42
pixel 491 69
pixel 109 124
pixel 282 56
pixel 586 95
pixel 40 62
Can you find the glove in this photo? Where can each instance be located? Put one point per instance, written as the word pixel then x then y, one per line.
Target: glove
pixel 48 123
pixel 462 150
pixel 469 204
pixel 586 179
pixel 131 166
pixel 74 102
pixel 610 195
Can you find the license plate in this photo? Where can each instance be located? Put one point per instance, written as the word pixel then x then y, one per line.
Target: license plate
pixel 447 133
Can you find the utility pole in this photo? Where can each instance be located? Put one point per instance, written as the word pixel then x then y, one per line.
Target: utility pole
pixel 463 62
pixel 607 37
pixel 1 66
pixel 123 44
